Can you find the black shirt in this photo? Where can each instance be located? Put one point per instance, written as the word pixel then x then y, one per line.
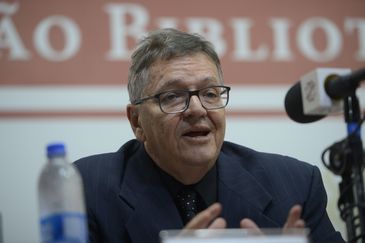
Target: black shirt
pixel 206 187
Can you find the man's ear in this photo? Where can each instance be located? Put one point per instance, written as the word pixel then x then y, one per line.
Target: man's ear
pixel 134 120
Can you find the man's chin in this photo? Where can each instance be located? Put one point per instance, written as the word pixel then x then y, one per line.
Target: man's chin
pixel 198 151
pixel 199 157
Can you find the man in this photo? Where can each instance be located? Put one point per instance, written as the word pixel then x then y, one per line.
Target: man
pixel 180 158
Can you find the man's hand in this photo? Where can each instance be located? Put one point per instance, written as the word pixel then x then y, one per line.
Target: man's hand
pixel 293 220
pixel 209 219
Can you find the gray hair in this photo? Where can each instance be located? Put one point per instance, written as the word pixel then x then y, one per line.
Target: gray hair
pixel 161 45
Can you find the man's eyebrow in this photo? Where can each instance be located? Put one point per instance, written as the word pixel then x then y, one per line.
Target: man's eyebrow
pixel 176 83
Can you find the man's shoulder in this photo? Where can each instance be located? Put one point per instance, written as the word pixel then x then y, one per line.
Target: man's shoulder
pixel 107 162
pixel 271 171
pixel 249 158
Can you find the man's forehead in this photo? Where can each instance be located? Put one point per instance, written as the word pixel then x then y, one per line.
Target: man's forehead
pixel 165 74
pixel 201 56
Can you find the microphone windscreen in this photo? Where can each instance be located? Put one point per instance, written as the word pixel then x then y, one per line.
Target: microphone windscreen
pixel 294 106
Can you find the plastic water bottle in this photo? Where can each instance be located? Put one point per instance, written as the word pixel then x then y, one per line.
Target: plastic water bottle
pixel 61 199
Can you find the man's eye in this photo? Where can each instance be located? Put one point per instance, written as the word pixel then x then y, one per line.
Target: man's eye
pixel 171 97
pixel 211 93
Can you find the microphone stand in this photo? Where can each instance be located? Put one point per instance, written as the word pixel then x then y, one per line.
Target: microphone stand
pixel 347 159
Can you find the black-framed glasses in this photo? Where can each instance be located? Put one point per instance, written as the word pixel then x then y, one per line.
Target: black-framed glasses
pixel 175 101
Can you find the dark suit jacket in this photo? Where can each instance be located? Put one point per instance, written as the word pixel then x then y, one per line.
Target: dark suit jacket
pixel 127 201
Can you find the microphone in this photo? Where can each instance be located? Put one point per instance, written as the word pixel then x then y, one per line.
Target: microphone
pixel 319 93
pixel 343 86
pixel 294 106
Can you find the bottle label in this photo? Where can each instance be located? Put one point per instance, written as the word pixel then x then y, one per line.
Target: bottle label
pixel 64 227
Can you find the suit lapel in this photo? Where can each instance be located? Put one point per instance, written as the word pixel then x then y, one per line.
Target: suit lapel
pixel 153 207
pixel 241 194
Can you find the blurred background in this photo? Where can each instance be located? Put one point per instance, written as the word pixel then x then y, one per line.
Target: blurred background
pixel 64 67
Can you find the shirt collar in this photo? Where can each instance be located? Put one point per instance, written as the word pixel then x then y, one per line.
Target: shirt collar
pixel 206 187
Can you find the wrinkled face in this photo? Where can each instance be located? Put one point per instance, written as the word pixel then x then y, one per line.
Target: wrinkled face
pixel 187 142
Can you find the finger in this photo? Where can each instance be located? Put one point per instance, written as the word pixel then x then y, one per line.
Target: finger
pixel 248 224
pixel 252 226
pixel 294 219
pixel 218 223
pixel 299 224
pixel 204 218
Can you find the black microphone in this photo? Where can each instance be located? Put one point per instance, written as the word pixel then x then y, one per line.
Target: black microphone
pixel 294 106
pixel 322 90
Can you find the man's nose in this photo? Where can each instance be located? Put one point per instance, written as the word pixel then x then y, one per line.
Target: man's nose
pixel 195 105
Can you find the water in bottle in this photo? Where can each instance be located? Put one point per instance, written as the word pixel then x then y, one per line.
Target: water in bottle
pixel 61 199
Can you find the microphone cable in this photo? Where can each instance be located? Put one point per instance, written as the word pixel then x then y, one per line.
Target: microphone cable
pixel 339 162
pixel 342 145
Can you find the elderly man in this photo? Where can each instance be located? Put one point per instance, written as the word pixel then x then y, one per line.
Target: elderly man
pixel 179 172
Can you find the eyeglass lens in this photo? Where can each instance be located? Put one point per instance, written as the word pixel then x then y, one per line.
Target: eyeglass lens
pixel 211 98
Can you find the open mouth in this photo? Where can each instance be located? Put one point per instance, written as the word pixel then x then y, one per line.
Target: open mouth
pixel 196 133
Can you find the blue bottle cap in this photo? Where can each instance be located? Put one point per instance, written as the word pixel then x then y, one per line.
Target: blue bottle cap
pixel 56 149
